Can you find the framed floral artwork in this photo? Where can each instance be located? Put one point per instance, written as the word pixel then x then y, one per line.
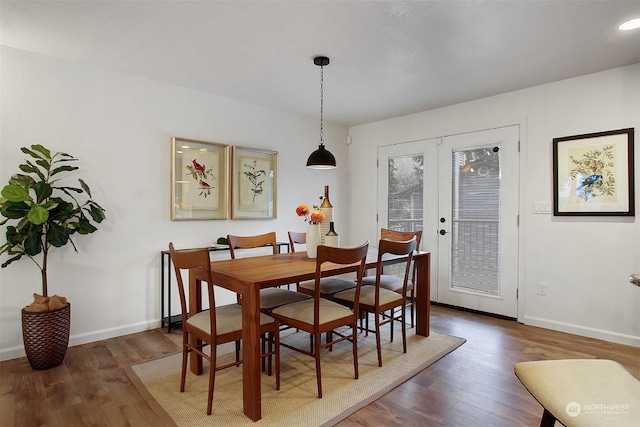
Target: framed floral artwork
pixel 199 180
pixel 593 174
pixel 254 183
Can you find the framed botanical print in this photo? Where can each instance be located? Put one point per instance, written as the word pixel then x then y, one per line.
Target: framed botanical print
pixel 199 180
pixel 254 183
pixel 593 174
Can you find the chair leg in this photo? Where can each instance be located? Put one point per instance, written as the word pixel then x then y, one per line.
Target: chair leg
pixel 212 378
pixel 413 303
pixel 392 325
pixel 547 420
pixel 277 350
pixel 318 370
pixel 183 375
pixel 366 322
pixel 403 319
pixel 354 342
pixel 270 338
pixel 238 351
pixel 263 344
pixel 378 345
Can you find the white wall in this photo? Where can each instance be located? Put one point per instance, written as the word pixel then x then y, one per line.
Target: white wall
pixel 585 261
pixel 120 127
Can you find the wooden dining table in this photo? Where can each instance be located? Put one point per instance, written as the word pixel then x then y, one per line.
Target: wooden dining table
pixel 247 276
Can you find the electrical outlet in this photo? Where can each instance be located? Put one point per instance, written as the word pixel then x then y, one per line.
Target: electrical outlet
pixel 542 288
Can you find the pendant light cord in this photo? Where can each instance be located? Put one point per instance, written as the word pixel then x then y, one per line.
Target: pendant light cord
pixel 321 104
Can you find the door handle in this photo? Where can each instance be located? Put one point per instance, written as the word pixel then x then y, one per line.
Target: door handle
pixel 442 232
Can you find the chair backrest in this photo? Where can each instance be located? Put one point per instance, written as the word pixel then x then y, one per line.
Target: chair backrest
pixel 251 242
pixel 395 247
pixel 198 264
pixel 296 238
pixel 341 256
pixel 402 236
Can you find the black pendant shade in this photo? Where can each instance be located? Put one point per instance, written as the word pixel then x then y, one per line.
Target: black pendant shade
pixel 321 158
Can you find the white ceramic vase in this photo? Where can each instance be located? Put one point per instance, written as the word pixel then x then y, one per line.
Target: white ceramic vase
pixel 313 240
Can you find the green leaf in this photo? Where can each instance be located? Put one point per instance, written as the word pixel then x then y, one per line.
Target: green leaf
pixel 69 157
pixel 13 237
pixel 10 260
pixel 15 193
pixel 84 226
pixel 85 187
pixel 57 235
pixel 97 213
pixel 63 169
pixel 24 181
pixel 43 191
pixel 43 164
pixel 31 168
pixel 49 205
pixel 39 148
pixel 32 245
pixel 14 210
pixel 38 215
pixel 66 189
pixel 62 211
pixel 28 168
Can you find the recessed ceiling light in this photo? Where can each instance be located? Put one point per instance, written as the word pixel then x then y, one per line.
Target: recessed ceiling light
pixel 630 25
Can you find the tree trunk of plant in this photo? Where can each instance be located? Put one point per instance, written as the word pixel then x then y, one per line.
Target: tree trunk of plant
pixel 45 287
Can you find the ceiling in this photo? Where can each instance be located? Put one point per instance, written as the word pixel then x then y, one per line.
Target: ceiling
pixel 388 58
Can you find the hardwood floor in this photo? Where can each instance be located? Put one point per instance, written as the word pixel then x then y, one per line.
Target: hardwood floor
pixel 473 386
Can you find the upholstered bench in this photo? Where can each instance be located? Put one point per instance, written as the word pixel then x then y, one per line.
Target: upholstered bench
pixel 582 392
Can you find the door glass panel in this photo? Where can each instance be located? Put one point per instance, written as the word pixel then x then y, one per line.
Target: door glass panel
pixel 476 220
pixel 405 205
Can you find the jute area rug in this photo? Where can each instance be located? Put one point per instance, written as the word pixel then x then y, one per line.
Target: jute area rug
pixel 296 403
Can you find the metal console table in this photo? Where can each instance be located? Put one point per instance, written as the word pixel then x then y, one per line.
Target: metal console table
pixel 165 266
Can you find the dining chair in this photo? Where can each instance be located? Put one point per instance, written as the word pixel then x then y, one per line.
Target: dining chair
pixel 328 285
pixel 270 298
pixel 378 300
pixel 216 326
pixel 319 315
pixel 393 282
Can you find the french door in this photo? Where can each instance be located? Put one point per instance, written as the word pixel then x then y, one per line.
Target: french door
pixel 407 193
pixel 478 221
pixel 469 212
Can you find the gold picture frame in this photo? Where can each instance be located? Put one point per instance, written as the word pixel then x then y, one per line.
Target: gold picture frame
pixel 593 174
pixel 199 180
pixel 254 183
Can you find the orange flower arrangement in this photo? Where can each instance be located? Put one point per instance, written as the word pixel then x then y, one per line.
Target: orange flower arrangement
pixel 315 217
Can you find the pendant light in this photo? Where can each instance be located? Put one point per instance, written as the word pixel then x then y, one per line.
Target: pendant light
pixel 321 158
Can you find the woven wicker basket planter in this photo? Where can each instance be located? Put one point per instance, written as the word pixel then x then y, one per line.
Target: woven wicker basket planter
pixel 46 336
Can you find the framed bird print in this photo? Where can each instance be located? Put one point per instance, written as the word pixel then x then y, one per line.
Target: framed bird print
pixel 593 174
pixel 199 180
pixel 254 183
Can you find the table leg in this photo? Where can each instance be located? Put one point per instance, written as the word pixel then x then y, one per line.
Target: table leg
pixel 251 355
pixel 195 306
pixel 423 294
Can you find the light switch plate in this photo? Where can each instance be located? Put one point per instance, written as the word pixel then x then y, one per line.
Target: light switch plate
pixel 542 207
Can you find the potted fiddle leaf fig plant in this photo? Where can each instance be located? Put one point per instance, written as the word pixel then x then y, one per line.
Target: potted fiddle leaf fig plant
pixel 47 213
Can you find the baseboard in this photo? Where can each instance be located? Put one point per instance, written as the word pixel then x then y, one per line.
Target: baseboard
pixel 583 331
pixel 78 339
